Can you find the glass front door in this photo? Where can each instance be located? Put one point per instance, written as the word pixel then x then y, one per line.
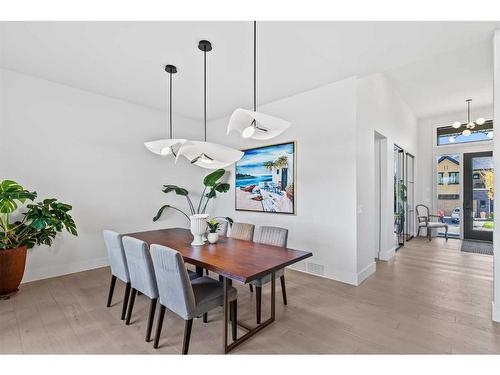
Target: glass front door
pixel 478 196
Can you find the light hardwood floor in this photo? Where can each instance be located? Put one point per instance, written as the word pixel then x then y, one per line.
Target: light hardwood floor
pixel 430 299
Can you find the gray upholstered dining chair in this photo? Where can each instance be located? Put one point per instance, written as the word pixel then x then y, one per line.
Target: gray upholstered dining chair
pixel 142 277
pixel 242 231
pixel 119 268
pixel 424 221
pixel 187 298
pixel 274 236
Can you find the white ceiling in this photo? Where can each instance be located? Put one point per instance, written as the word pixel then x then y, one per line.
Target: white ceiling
pixel 442 83
pixel 125 59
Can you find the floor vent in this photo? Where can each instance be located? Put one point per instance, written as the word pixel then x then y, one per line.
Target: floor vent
pixel 317 269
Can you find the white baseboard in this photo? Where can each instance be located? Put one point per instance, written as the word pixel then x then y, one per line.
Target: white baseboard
pixel 54 271
pixel 345 280
pixel 366 272
pixel 388 254
pixel 495 312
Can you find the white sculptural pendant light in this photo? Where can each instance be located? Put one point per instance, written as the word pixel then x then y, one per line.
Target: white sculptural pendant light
pixel 253 124
pixel 167 146
pixel 209 155
pixel 202 153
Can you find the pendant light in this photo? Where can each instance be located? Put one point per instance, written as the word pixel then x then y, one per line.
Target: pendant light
pixel 167 146
pixel 470 124
pixel 206 154
pixel 252 124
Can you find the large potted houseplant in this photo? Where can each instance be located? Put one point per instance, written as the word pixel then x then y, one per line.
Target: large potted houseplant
pixel 197 214
pixel 20 229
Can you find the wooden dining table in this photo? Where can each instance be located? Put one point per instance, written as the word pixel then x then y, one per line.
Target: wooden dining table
pixel 232 259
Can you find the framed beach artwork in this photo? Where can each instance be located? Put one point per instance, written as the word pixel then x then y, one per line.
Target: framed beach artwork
pixel 265 179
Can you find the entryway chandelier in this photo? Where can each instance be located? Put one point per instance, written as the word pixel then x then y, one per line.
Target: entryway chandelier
pixel 167 146
pixel 470 124
pixel 252 124
pixel 206 154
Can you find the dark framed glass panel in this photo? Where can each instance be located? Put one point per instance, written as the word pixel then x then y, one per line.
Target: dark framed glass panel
pixel 479 177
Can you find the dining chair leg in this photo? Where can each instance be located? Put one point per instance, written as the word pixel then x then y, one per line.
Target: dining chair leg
pixel 251 288
pixel 159 324
pixel 418 231
pixel 283 288
pixel 234 318
pixel 111 290
pixel 152 310
pixel 205 318
pixel 258 298
pixel 131 306
pixel 125 301
pixel 187 336
pixel 429 233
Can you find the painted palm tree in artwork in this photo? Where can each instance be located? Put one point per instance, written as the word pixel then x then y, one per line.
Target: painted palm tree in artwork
pixel 281 162
pixel 269 165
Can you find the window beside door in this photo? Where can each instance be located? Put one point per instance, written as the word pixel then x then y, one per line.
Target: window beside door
pixel 448 190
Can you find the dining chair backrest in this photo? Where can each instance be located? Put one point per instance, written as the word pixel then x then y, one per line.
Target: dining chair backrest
pixel 271 236
pixel 176 292
pixel 116 255
pixel 140 266
pixel 242 231
pixel 222 228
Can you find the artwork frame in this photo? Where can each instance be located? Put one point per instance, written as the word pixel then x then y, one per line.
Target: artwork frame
pixel 275 191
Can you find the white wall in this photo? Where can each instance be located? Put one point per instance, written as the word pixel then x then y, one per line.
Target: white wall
pixel 324 126
pixel 379 109
pixel 86 150
pixel 496 159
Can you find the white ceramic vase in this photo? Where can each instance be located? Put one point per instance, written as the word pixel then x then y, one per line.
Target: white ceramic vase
pixel 213 237
pixel 198 228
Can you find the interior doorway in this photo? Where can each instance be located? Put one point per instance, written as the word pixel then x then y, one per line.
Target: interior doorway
pixel 400 194
pixel 478 202
pixel 380 160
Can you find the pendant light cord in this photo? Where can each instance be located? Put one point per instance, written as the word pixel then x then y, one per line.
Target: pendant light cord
pixel 205 91
pixel 255 66
pixel 170 105
pixel 468 111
